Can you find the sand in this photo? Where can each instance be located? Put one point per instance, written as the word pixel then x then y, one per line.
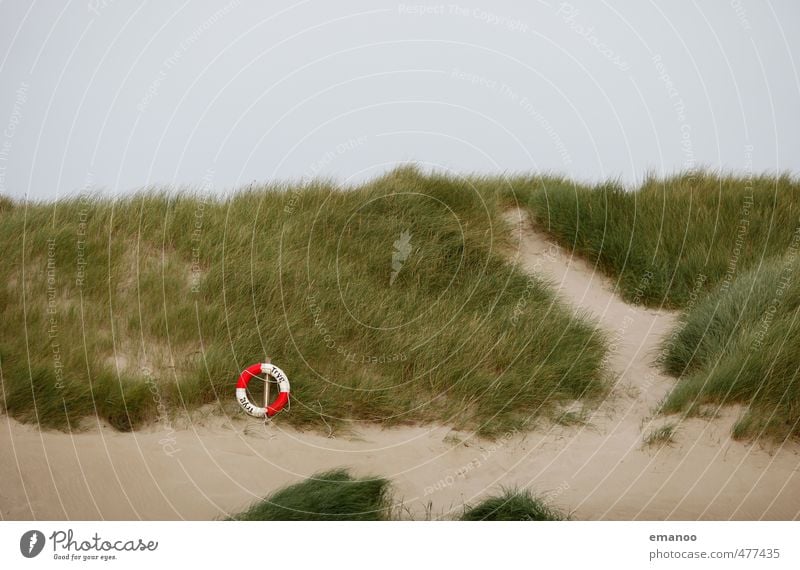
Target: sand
pixel 600 469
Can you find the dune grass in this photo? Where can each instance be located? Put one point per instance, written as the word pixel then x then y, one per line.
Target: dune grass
pixel 338 495
pixel 512 505
pixel 671 239
pixel 331 496
pixel 723 249
pixel 661 436
pixel 389 302
pixel 740 345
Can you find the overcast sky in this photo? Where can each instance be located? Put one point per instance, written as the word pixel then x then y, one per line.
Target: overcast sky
pixel 121 95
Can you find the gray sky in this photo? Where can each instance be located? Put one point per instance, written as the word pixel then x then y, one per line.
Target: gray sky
pixel 121 95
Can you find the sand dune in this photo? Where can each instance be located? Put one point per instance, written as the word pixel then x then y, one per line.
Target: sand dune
pixel 600 470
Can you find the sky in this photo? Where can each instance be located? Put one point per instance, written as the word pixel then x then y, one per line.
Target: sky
pixel 117 96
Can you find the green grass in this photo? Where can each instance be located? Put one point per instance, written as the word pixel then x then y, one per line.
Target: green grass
pixel 660 436
pixel 331 496
pixel 141 307
pixel 512 505
pixel 338 495
pixel 723 249
pixel 6 203
pixel 670 239
pixel 740 345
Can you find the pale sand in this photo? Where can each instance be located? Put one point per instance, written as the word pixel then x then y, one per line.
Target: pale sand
pixel 600 470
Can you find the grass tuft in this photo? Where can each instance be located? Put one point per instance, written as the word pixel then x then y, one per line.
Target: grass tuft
pixel 739 346
pixel 671 239
pixel 661 436
pixel 331 496
pixel 512 505
pixel 6 203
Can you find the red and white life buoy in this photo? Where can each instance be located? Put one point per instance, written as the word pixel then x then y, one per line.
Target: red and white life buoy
pixel 283 385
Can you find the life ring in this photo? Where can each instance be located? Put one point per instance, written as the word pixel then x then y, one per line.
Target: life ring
pixel 283 385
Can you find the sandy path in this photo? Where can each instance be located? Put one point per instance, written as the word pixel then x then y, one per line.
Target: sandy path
pixel 599 470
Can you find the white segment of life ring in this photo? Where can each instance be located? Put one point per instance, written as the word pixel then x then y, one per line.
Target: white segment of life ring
pixel 244 379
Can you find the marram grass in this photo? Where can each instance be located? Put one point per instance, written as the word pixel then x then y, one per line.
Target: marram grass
pixel 740 346
pixel 330 496
pixel 389 302
pixel 671 239
pixel 512 505
pixel 725 250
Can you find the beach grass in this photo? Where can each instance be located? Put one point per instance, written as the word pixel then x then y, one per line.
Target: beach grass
pixel 670 239
pixel 720 248
pixel 512 505
pixel 664 435
pixel 387 302
pixel 330 496
pixel 739 345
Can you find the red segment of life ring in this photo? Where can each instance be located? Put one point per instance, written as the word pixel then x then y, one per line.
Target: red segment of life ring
pixel 244 379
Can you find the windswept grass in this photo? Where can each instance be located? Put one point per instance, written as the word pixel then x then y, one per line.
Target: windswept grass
pixel 389 302
pixel 740 345
pixel 724 249
pixel 660 436
pixel 331 496
pixel 6 203
pixel 338 495
pixel 513 505
pixel 671 239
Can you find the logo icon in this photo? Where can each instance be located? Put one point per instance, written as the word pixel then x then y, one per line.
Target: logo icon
pixel 402 249
pixel 31 543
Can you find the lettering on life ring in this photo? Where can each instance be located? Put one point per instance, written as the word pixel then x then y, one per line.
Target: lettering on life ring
pixel 277 404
